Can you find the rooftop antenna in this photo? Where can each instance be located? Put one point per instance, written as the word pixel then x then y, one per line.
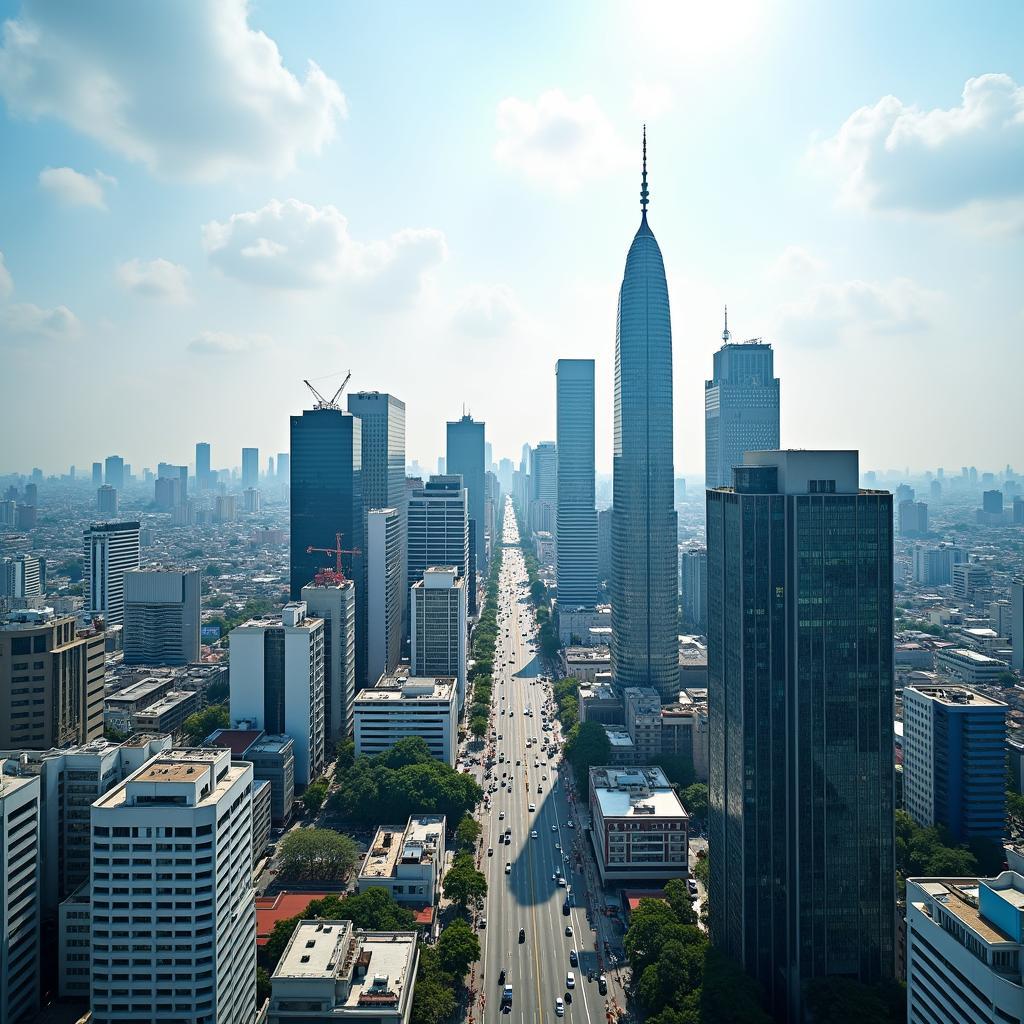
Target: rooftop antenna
pixel 328 403
pixel 725 333
pixel 644 194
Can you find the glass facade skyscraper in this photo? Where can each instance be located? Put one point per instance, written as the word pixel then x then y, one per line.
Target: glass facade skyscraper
pixel 800 694
pixel 250 468
pixel 645 647
pixel 326 498
pixel 465 457
pixel 576 516
pixel 741 407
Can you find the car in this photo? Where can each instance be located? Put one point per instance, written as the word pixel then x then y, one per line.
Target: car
pixel 554 828
pixel 540 789
pixel 508 840
pixel 501 814
pixel 565 907
pixel 518 762
pixel 602 985
pixel 574 958
pixel 568 930
pixel 533 834
pixel 490 851
pixel 561 882
pixel 501 977
pixel 558 846
pixel 482 923
pixel 571 825
pixel 508 868
pixel 570 979
pixel 522 934
pixel 533 807
pixel 544 778
pixel 559 1007
pixel 553 877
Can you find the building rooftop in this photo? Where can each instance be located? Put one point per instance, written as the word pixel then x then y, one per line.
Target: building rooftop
pixel 634 793
pixel 167 702
pixel 161 771
pixel 408 688
pixel 967 655
pixel 317 949
pixel 417 843
pixel 954 696
pixel 271 909
pixel 237 741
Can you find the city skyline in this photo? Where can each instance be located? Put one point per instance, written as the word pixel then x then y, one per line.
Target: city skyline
pixel 160 251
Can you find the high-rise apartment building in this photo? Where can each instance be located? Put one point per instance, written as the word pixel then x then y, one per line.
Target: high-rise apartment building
pixel 106 500
pixel 913 518
pixel 111 550
pixel 161 616
pixel 438 531
pixel 277 682
pixel 250 468
pixel 643 585
pixel 51 681
pixel 251 500
pixel 800 692
pixel 741 406
pixel 439 626
pixel 19 898
pixel 465 458
pixel 326 499
pixel 693 587
pixel 173 908
pixel 333 598
pixel 113 471
pixel 576 518
pixel 21 576
pixel 934 565
pixel 203 481
pixel 954 760
pixel 385 580
pixel 224 508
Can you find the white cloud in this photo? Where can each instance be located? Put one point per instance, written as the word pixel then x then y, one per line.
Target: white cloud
pixel 894 156
pixel 73 188
pixel 222 343
pixel 833 313
pixel 557 141
pixel 796 262
pixel 6 281
pixel 25 323
pixel 155 279
pixel 190 90
pixel 292 244
pixel 651 99
pixel 487 312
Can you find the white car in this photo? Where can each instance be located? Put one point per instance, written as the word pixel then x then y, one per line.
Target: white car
pixel 533 834
pixel 501 815
pixel 570 979
pixel 533 807
pixel 559 1007
pixel 508 869
pixel 554 828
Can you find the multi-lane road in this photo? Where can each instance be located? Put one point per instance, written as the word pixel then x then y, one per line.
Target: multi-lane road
pixel 524 896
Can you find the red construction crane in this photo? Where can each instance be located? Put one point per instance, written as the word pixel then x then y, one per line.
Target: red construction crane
pixel 328 577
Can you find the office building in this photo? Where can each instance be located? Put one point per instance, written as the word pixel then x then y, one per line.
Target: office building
pixel 934 566
pixel 97 474
pixel 110 550
pixel 19 898
pixel 643 583
pixel 250 468
pixel 954 760
pixel 693 587
pixel 913 518
pixel 576 515
pixel 277 682
pixel 970 580
pixel 167 714
pixel 964 949
pixel 465 458
pixel 408 861
pixel 800 696
pixel 741 406
pixel 21 576
pixel 543 509
pixel 1017 623
pixel 327 499
pixel 284 467
pixel 203 968
pixel 439 626
pixel 604 545
pixel 251 501
pixel 439 531
pixel 385 579
pixel 203 478
pixel 640 829
pixel 962 665
pixel 167 493
pixel 161 616
pixel 331 973
pixel 273 762
pixel 992 502
pixel 224 509
pixel 51 681
pixel 382 423
pixel 114 472
pixel 332 598
pixel 106 501
pixel 400 706
pixel 8 512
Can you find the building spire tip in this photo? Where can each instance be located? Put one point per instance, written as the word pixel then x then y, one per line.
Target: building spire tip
pixel 725 333
pixel 644 194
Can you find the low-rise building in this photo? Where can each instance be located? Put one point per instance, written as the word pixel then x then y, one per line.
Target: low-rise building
pixel 407 861
pixel 332 973
pixel 600 702
pixel 120 706
pixel 584 663
pixel 965 949
pixel 400 706
pixel 168 714
pixel 638 826
pixel 970 667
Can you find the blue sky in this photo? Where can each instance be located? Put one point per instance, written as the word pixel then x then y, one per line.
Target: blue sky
pixel 203 204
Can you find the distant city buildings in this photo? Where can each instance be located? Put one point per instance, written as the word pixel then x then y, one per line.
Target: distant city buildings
pixel 250 468
pixel 106 501
pixel 161 616
pixel 21 576
pixel 913 518
pixel 110 550
pixel 693 587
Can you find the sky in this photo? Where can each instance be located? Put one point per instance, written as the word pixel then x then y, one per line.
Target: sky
pixel 203 204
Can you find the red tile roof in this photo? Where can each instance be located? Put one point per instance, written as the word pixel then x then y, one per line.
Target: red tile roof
pixel 239 740
pixel 271 909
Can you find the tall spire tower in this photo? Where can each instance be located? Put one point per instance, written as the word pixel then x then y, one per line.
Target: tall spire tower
pixel 643 583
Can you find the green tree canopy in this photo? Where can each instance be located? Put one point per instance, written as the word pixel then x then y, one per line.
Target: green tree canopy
pixel 458 948
pixel 463 882
pixel 587 745
pixel 478 727
pixel 319 853
pixel 468 832
pixel 315 794
pixel 199 725
pixel 695 800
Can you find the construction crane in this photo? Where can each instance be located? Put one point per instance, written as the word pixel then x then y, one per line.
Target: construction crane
pixel 328 403
pixel 329 577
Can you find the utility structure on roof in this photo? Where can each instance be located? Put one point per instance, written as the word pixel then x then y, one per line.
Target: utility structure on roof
pixel 326 577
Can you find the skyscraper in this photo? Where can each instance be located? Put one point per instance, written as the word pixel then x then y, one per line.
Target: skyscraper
pixel 439 530
pixel 161 616
pixel 439 626
pixel 466 458
pixel 333 598
pixel 113 471
pixel 250 468
pixel 97 474
pixel 543 487
pixel 106 500
pixel 384 583
pixel 382 421
pixel 111 549
pixel 645 649
pixel 576 518
pixel 202 465
pixel 741 406
pixel 327 498
pixel 800 693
